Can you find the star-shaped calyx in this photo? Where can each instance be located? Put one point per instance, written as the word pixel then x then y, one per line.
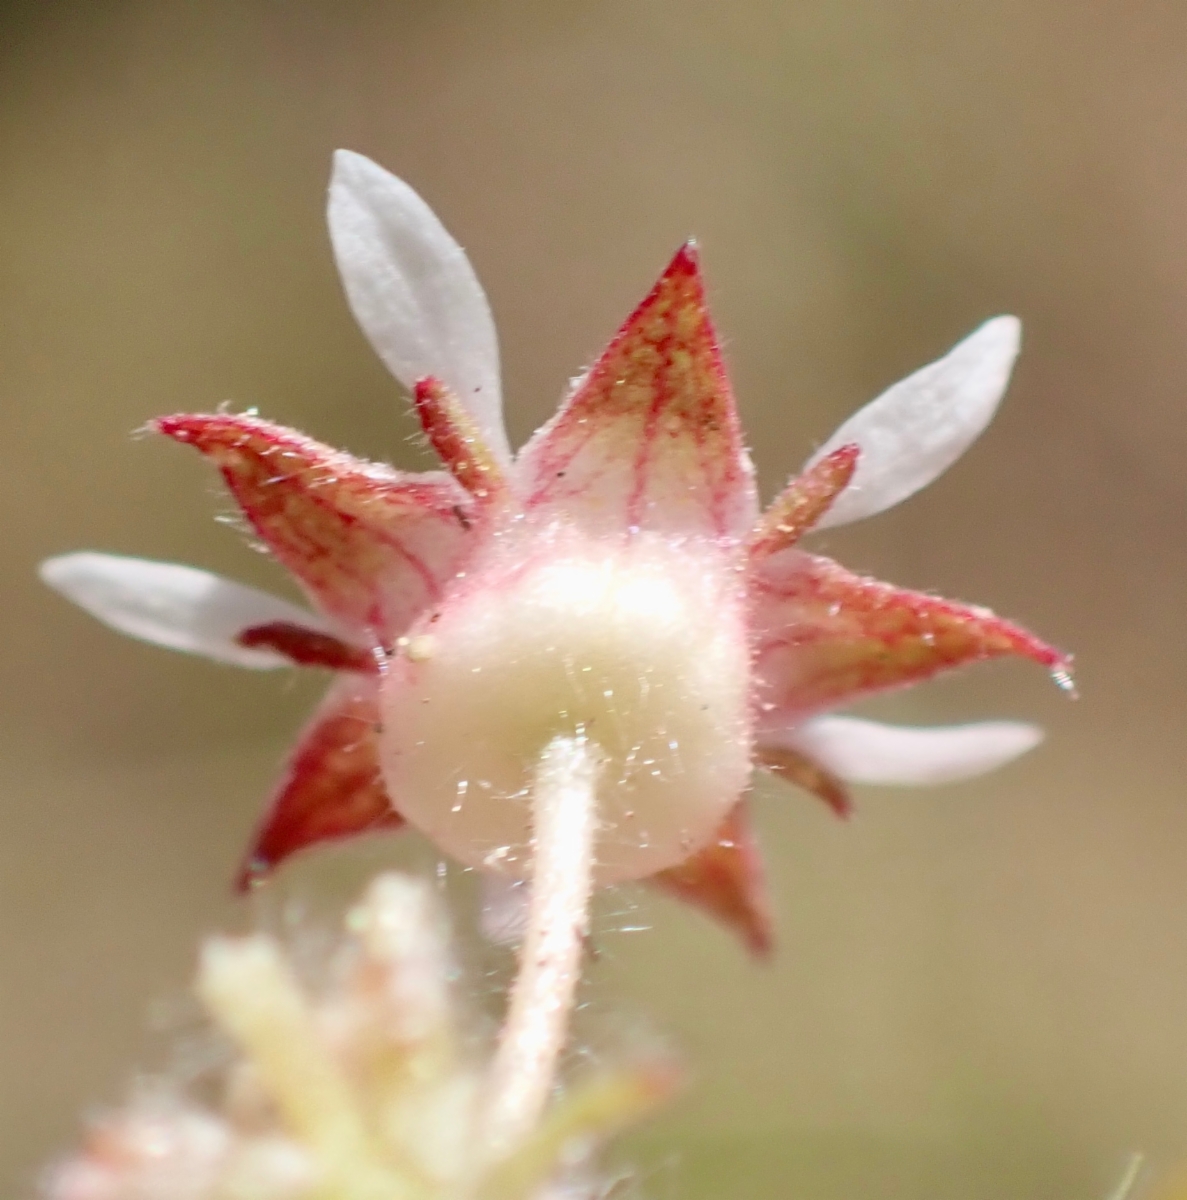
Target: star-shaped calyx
pixel 613 581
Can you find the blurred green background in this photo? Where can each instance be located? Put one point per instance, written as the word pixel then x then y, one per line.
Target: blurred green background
pixel 980 991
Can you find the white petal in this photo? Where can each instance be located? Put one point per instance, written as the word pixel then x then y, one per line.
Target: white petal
pixel 413 291
pixel 504 917
pixel 916 430
pixel 870 752
pixel 175 606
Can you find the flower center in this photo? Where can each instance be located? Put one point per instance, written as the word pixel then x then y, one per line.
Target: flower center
pixel 637 645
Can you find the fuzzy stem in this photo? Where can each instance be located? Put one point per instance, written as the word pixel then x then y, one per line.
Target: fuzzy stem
pixel 565 818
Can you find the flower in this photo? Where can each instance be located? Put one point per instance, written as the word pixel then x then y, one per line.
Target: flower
pixel 614 580
pixel 369 1085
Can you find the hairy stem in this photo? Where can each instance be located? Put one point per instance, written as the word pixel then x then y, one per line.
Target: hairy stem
pixel 565 817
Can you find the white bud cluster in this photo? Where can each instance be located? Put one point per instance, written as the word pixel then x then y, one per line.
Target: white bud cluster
pixel 369 1090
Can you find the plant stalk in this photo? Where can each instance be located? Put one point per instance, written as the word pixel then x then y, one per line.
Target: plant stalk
pixel 564 807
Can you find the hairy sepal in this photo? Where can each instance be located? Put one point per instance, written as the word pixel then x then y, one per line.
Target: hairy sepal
pixel 372 546
pixel 649 438
pixel 825 637
pixel 331 789
pixel 726 880
pixel 803 503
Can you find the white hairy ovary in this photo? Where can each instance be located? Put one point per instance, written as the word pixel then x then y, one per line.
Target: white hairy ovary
pixel 637 644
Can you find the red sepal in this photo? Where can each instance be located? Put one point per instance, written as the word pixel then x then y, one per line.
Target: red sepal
pixel 803 502
pixel 797 768
pixel 453 433
pixel 727 881
pixel 371 545
pixel 825 637
pixel 650 437
pixel 332 787
pixel 308 647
